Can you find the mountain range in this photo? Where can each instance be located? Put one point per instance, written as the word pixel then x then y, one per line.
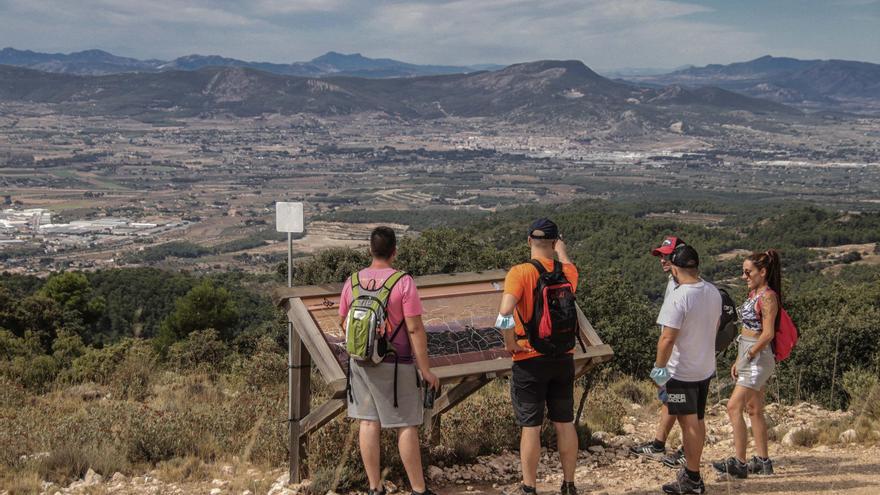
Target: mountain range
pixel 822 83
pixel 99 62
pixel 808 84
pixel 550 91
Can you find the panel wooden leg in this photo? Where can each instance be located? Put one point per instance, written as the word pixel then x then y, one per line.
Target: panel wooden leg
pixel 300 364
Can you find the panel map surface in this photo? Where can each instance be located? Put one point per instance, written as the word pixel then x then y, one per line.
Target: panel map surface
pixel 458 321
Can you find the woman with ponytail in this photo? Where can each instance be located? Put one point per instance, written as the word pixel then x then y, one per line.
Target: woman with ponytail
pixel 755 363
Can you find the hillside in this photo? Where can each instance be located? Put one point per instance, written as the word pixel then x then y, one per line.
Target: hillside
pixel 828 83
pixel 538 91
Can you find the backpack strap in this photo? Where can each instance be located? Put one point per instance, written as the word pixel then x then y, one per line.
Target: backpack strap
pixel 355 285
pixel 557 266
pixel 390 282
pixel 539 266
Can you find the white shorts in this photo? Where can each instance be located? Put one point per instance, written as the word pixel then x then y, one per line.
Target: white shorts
pixel 754 373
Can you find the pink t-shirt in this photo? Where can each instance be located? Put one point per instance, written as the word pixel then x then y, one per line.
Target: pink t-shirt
pixel 404 302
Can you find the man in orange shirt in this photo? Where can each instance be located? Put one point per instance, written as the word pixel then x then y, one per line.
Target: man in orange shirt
pixel 539 380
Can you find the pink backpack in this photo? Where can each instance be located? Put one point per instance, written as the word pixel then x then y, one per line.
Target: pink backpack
pixel 786 336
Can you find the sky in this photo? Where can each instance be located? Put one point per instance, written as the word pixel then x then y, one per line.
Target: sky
pixel 604 34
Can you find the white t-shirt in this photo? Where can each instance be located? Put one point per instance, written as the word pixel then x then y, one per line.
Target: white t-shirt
pixel 694 309
pixel 670 286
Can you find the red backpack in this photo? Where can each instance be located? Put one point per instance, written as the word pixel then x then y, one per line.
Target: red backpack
pixel 553 328
pixel 786 336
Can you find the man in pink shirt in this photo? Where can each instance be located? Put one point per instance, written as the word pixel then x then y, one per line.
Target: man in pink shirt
pixel 388 395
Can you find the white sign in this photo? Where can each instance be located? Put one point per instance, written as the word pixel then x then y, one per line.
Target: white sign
pixel 289 217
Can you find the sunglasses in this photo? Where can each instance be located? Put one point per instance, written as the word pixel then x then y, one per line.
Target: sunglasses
pixel 747 273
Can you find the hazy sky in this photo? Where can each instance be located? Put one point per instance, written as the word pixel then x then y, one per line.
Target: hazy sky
pixel 605 34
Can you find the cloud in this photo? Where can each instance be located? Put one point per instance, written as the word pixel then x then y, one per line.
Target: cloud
pixel 602 33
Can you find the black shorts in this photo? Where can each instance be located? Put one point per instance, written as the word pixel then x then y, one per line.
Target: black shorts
pixel 687 397
pixel 542 382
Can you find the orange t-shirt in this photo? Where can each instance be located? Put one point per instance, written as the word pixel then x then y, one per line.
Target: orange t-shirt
pixel 520 282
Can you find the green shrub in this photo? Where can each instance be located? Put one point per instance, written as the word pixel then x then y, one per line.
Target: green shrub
pixel 201 350
pixel 99 365
pixel 35 373
pixel 70 461
pixel 640 392
pixel 265 368
pixel 131 378
pixel 483 424
pixel 605 410
pixel 863 388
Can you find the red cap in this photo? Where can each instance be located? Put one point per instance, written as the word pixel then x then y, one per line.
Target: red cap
pixel 667 247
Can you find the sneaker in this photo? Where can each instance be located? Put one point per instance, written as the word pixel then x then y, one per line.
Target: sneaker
pixel 426 492
pixel 759 467
pixel 684 484
pixel 568 488
pixel 527 490
pixel 647 450
pixel 732 467
pixel 675 459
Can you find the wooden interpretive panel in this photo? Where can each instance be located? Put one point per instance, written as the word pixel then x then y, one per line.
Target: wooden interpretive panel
pixel 466 354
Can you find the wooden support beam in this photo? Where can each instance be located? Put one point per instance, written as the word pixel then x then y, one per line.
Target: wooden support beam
pixel 587 330
pixel 314 340
pixel 300 396
pixel 460 392
pixel 321 415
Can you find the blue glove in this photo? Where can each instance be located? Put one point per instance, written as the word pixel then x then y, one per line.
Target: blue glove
pixel 660 375
pixel 504 322
pixel 662 395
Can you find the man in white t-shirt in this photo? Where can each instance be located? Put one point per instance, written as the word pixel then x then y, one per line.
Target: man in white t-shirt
pixel 656 448
pixel 685 360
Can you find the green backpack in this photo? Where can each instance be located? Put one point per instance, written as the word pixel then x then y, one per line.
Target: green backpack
pixel 367 335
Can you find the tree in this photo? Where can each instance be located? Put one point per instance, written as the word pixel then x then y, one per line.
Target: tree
pixel 205 306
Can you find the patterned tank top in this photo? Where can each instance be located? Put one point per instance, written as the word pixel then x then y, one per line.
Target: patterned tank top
pixel 749 314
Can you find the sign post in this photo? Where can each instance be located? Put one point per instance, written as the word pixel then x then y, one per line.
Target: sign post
pixel 289 218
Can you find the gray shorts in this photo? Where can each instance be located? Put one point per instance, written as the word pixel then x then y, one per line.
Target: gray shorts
pixel 372 395
pixel 754 373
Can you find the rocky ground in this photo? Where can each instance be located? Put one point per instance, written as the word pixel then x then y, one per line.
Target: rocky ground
pixel 605 468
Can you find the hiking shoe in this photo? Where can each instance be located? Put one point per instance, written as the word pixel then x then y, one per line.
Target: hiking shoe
pixel 684 484
pixel 527 490
pixel 426 492
pixel 568 488
pixel 376 492
pixel 759 467
pixel 647 450
pixel 732 467
pixel 675 459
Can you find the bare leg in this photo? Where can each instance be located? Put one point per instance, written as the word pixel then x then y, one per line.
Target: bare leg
pixel 369 435
pixel 759 422
pixel 566 439
pixel 665 425
pixel 693 437
pixel 530 453
pixel 408 443
pixel 735 407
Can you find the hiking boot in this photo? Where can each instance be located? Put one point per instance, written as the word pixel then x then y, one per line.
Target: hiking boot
pixel 675 459
pixel 759 467
pixel 647 450
pixel 732 467
pixel 568 488
pixel 426 492
pixel 684 484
